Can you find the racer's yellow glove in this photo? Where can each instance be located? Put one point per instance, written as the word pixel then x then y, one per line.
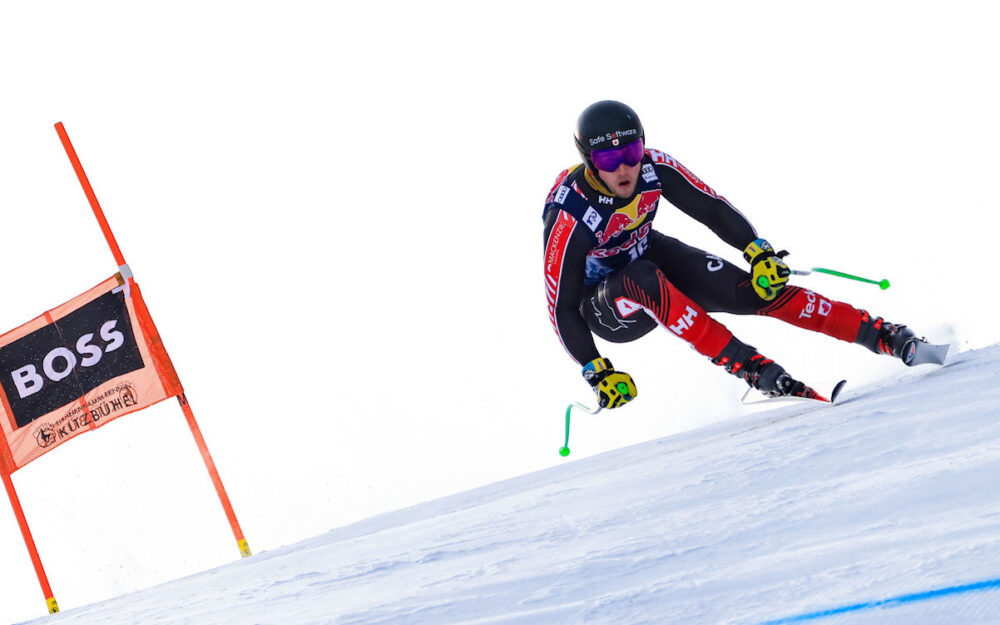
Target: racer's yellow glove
pixel 612 388
pixel 768 272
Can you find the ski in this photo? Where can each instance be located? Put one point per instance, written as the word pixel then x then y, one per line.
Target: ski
pixel 920 352
pixel 806 394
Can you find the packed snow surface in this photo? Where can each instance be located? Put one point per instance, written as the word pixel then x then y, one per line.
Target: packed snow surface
pixel 884 508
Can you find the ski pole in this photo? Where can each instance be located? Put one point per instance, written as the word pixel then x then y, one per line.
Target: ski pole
pixel 883 283
pixel 564 450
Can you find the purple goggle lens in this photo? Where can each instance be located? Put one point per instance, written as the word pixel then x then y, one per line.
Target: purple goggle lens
pixel 612 158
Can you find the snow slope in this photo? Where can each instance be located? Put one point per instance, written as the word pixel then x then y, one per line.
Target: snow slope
pixel 884 508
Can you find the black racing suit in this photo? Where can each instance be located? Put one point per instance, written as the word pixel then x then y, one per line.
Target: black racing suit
pixel 608 272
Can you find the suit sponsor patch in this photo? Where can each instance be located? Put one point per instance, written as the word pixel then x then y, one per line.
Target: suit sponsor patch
pixel 562 194
pixel 592 218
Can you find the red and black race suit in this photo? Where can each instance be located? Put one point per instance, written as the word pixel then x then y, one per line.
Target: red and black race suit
pixel 608 272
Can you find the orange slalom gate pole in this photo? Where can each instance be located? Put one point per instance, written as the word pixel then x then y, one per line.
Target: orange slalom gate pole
pixel 36 560
pixel 207 457
pixel 91 196
pixel 127 274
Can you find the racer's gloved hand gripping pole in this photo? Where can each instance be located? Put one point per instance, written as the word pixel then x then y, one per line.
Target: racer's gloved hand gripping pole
pixel 612 388
pixel 769 272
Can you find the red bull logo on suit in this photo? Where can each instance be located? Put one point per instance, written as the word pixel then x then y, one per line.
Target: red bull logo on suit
pixel 629 217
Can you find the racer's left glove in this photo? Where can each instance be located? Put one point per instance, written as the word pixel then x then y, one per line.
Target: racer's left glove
pixel 768 272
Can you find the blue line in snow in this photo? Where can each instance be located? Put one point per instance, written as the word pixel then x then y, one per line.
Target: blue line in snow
pixel 891 602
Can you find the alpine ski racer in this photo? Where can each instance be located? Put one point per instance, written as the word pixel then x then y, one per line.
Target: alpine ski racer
pixel 609 273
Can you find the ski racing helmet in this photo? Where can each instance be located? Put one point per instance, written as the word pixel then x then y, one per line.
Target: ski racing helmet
pixel 606 124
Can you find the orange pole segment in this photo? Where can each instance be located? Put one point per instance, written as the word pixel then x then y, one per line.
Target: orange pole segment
pixel 91 196
pixel 43 580
pixel 188 414
pixel 214 473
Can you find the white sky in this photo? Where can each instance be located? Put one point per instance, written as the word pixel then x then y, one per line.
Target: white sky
pixel 335 218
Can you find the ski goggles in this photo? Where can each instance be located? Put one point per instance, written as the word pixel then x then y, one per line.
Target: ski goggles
pixel 612 158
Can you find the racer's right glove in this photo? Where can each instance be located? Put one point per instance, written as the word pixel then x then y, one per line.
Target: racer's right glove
pixel 612 388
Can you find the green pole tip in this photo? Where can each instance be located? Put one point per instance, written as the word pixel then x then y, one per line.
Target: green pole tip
pixel 564 451
pixel 884 284
pixel 763 282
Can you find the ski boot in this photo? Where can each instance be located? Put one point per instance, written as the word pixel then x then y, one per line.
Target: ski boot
pixel 898 341
pixel 772 380
pixel 762 374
